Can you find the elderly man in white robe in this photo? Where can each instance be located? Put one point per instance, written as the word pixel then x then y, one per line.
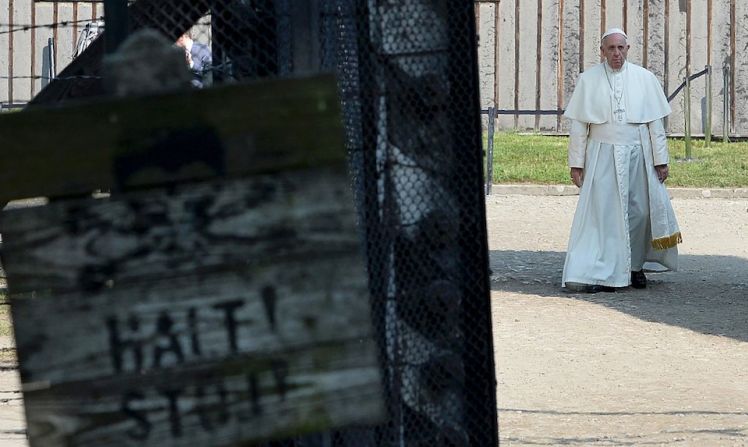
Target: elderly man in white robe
pixel 618 156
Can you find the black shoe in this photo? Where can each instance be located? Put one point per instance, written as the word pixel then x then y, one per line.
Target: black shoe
pixel 638 280
pixel 588 288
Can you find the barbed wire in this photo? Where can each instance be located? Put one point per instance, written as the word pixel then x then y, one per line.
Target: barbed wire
pixel 51 78
pixel 220 69
pixel 63 24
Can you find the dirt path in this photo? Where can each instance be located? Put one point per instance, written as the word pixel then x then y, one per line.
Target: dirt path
pixel 663 366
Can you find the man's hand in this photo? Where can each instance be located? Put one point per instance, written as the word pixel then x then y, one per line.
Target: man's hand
pixel 577 176
pixel 662 172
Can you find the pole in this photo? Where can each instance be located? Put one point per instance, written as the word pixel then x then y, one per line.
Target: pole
pixel 687 116
pixel 51 59
pixel 708 130
pixel 115 23
pixel 489 146
pixel 725 104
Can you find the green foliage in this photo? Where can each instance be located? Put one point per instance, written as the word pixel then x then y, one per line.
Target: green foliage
pixel 533 158
pixel 720 165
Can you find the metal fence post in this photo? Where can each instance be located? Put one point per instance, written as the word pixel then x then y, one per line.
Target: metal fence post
pixel 687 116
pixel 115 23
pixel 708 130
pixel 489 149
pixel 51 55
pixel 725 104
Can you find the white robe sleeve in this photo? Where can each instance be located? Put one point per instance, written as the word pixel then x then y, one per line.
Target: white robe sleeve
pixel 658 138
pixel 577 143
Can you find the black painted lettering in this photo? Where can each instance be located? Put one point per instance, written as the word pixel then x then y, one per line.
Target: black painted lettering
pixel 228 308
pixel 175 419
pixel 212 400
pixel 269 299
pixel 118 344
pixel 253 408
pixel 280 374
pixel 167 341
pixel 143 426
pixel 192 323
pixel 254 394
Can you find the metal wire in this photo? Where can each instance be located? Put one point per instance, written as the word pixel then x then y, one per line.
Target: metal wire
pixel 62 24
pixel 61 78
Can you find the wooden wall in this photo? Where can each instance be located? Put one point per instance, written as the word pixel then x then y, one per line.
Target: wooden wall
pixel 22 52
pixel 531 52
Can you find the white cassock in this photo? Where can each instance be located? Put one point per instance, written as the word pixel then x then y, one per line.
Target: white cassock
pixel 624 219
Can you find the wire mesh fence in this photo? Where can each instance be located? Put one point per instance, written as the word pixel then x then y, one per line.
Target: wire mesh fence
pixel 408 84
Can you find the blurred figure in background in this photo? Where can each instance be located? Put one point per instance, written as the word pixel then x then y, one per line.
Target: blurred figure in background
pixel 88 34
pixel 198 56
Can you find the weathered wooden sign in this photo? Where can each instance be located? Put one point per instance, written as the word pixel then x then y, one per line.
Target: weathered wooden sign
pixel 199 134
pixel 209 313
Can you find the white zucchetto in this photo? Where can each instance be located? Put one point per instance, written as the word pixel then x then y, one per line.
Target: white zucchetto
pixel 614 31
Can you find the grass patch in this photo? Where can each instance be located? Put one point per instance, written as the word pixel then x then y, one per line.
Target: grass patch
pixel 542 160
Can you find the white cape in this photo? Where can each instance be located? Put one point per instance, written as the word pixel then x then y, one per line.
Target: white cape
pixel 591 103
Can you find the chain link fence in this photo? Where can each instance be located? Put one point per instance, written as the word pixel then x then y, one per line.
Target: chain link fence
pixel 408 84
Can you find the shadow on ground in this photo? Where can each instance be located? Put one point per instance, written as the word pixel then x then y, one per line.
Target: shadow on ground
pixel 709 294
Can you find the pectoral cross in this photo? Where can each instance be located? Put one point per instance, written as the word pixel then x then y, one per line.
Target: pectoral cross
pixel 619 114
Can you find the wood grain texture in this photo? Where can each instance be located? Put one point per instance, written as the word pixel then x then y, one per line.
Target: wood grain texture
pixel 592 13
pixel 656 50
pixel 486 54
pixel 203 314
pixel 676 65
pixel 175 323
pixel 720 32
pixel 198 134
pixel 635 30
pixel 5 55
pixel 571 49
pixel 99 369
pixel 188 229
pixel 65 35
pixel 549 64
pixel 213 404
pixel 21 59
pixel 528 62
pixel 614 15
pixel 740 123
pixel 699 48
pixel 505 44
pixel 43 15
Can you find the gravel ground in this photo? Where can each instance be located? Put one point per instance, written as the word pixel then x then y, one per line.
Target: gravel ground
pixel 667 365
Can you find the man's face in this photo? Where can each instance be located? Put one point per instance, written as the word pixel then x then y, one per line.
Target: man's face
pixel 614 49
